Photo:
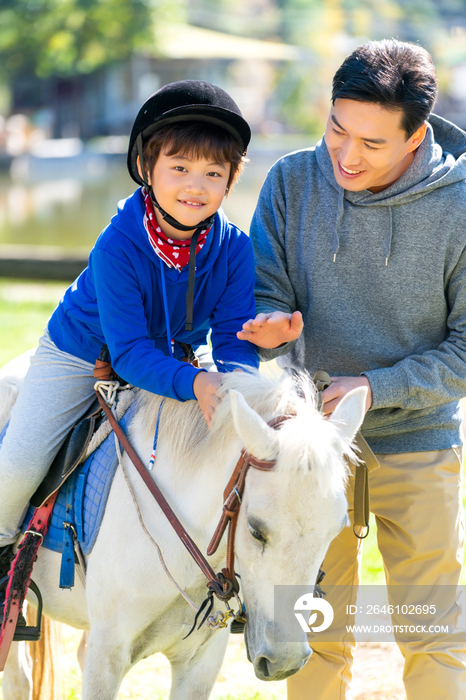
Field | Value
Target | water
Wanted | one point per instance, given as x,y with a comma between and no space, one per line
67,203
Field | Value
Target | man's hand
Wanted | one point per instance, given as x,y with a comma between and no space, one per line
205,386
272,330
339,387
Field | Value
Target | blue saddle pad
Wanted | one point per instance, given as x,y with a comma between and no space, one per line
92,483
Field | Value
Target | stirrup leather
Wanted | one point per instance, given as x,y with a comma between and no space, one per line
23,631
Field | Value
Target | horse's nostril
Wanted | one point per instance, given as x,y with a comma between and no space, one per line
262,667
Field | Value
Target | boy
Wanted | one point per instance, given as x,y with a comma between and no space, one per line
167,268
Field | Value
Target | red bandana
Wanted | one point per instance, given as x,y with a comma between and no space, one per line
174,253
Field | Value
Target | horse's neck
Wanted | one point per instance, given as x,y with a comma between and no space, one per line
194,490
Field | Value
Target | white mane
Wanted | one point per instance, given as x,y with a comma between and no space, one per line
309,441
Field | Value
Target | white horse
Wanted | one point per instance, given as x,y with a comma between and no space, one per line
287,519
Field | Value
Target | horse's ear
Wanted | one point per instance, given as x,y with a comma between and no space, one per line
349,414
258,437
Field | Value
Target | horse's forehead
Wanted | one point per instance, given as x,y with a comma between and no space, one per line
282,494
281,487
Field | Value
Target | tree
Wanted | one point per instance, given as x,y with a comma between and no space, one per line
65,37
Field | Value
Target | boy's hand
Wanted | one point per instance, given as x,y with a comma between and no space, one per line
205,386
339,387
272,330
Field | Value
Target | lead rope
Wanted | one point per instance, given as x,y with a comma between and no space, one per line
367,463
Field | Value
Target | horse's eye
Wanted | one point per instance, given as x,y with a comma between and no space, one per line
257,534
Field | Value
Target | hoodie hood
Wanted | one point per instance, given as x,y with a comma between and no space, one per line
439,161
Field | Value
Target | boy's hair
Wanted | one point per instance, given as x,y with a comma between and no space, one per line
393,74
196,139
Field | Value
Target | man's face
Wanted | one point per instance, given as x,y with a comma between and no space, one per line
367,145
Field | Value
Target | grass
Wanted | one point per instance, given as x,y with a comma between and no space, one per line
24,310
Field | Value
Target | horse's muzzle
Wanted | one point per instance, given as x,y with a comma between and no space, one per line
269,668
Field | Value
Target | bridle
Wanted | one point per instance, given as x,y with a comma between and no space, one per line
232,498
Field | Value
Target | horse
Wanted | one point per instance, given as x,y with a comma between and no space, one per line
288,517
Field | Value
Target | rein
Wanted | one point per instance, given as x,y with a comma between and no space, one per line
220,588
224,584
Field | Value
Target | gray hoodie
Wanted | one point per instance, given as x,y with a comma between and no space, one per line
380,280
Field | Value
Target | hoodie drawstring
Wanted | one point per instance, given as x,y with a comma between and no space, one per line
388,242
165,308
340,210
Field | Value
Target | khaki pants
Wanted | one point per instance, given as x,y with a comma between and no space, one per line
416,499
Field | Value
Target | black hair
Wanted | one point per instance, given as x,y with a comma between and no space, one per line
393,74
197,140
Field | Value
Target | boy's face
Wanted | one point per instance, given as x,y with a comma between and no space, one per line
367,144
189,190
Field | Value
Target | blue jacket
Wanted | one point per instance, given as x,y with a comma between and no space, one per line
118,300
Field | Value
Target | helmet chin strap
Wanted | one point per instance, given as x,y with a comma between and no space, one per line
206,223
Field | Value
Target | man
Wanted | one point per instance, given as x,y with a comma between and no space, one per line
362,239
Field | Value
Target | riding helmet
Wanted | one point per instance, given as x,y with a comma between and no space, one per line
186,100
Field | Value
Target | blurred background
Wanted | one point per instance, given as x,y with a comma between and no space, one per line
73,74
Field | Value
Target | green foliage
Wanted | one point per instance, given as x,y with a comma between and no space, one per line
302,100
65,37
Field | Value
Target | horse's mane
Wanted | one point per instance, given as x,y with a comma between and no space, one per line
309,438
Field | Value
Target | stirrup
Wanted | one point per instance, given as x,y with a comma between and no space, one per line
23,632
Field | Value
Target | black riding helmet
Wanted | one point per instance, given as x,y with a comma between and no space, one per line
185,100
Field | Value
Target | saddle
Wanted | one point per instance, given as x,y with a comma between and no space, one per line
81,478
69,455
74,448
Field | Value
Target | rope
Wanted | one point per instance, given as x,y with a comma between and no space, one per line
156,437
165,308
146,531
108,391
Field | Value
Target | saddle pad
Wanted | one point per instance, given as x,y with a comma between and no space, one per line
92,486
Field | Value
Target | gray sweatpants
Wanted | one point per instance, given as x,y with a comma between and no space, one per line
57,390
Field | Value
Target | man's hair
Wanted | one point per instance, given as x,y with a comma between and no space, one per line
393,74
195,139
